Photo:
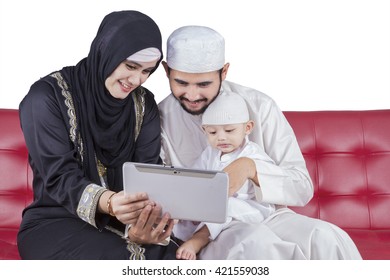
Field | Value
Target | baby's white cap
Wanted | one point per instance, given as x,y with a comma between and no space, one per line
227,108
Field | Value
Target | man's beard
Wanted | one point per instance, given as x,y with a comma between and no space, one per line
201,110
197,112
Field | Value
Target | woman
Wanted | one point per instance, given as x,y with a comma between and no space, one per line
80,125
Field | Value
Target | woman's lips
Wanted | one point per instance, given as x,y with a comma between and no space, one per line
125,87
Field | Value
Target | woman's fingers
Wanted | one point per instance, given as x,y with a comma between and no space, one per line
127,208
130,218
135,196
148,223
147,230
137,232
163,228
167,230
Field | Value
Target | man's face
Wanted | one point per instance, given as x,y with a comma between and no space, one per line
195,91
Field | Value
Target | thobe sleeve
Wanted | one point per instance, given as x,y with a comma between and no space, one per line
202,162
286,181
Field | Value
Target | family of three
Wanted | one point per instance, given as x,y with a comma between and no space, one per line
82,122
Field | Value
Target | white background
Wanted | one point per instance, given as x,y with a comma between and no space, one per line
113,270
306,54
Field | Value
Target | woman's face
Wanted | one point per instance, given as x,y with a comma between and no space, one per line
128,76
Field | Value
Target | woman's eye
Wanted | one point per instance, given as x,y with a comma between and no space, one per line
131,67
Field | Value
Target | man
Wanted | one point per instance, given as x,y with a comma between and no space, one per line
196,70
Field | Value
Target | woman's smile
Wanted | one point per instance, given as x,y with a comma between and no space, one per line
125,87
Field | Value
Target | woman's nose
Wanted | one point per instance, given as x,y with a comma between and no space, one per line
135,79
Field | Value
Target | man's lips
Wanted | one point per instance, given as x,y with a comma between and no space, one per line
193,105
194,102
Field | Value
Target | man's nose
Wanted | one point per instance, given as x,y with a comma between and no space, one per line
192,93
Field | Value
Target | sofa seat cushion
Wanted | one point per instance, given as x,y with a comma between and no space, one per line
8,247
372,244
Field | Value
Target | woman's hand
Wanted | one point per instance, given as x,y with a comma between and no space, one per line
147,224
239,171
151,227
125,208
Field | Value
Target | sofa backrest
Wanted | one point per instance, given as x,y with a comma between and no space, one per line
15,173
348,156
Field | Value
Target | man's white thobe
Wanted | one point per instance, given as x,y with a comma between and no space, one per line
285,182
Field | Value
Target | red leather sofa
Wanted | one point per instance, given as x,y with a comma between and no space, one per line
347,154
15,181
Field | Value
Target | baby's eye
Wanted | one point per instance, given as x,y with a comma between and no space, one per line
212,132
229,130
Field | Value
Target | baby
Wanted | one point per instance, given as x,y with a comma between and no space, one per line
227,125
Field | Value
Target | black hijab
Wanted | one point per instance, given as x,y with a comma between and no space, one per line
107,124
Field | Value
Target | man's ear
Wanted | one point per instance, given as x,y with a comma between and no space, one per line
224,71
204,127
166,68
249,127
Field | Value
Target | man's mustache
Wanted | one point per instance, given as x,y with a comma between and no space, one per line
194,101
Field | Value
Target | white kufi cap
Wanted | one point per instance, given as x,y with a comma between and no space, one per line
227,108
195,49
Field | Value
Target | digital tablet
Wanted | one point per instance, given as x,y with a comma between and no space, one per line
187,194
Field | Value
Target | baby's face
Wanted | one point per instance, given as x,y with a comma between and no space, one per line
226,138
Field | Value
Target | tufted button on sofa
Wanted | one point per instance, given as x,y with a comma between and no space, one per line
15,181
347,154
